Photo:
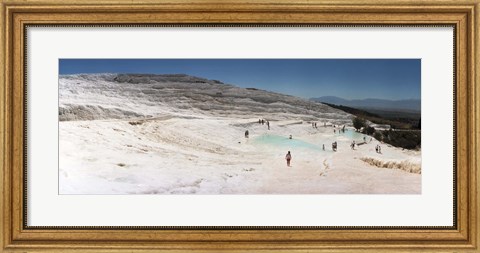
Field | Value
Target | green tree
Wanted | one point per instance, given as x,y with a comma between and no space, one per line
358,123
377,135
370,130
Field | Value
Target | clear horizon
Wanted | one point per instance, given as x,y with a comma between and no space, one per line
392,79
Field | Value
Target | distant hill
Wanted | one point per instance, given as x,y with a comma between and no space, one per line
397,120
406,105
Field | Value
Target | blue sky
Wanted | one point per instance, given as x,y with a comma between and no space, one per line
345,78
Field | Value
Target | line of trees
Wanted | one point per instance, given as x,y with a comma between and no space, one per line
404,139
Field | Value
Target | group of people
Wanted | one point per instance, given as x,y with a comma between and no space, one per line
260,121
288,156
314,125
342,130
263,121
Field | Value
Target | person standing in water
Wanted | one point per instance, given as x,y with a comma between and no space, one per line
268,124
246,134
288,157
334,146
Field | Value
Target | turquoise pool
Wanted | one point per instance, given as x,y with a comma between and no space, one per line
283,141
354,135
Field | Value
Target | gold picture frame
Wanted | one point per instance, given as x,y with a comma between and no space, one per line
18,14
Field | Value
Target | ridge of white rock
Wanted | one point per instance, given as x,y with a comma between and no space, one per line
124,96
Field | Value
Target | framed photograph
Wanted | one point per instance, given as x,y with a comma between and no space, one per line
242,126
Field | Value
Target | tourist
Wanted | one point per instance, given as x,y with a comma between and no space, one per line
288,157
246,134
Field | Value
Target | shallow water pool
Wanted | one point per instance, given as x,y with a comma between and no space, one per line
284,141
354,135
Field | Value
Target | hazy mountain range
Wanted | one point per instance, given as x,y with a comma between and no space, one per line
412,105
